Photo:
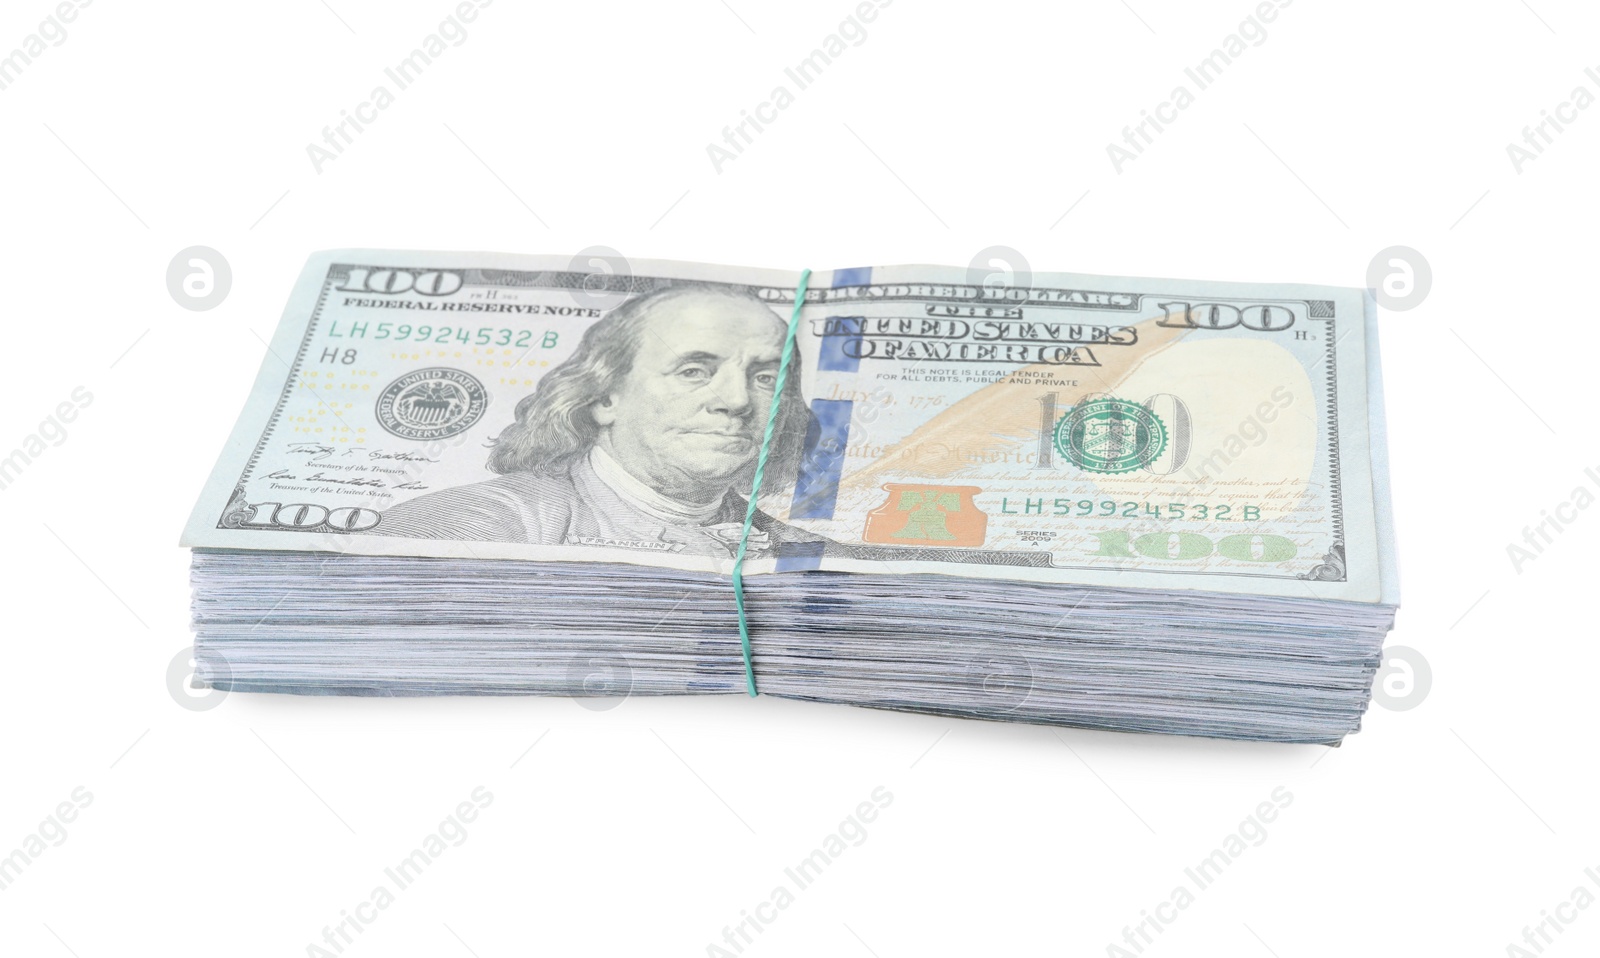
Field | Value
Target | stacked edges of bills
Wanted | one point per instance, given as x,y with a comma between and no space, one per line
1134,504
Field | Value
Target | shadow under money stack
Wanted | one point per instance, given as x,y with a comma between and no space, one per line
1144,505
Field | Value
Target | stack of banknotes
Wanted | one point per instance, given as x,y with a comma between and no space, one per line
1145,505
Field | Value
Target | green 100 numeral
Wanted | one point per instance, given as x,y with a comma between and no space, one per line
1244,546
1262,318
433,282
304,515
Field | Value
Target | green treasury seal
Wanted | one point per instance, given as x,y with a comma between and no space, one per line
1110,435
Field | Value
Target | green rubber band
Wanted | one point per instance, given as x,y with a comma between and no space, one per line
755,485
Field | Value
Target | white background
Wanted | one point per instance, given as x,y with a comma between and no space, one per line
648,828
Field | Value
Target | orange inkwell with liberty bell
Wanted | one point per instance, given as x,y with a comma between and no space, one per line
919,515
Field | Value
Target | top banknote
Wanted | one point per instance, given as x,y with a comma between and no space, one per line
1085,430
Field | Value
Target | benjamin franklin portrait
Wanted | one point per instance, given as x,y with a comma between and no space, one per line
646,438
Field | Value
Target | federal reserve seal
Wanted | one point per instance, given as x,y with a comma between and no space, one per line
434,403
1110,435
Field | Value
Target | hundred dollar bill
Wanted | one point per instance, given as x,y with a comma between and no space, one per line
1092,430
